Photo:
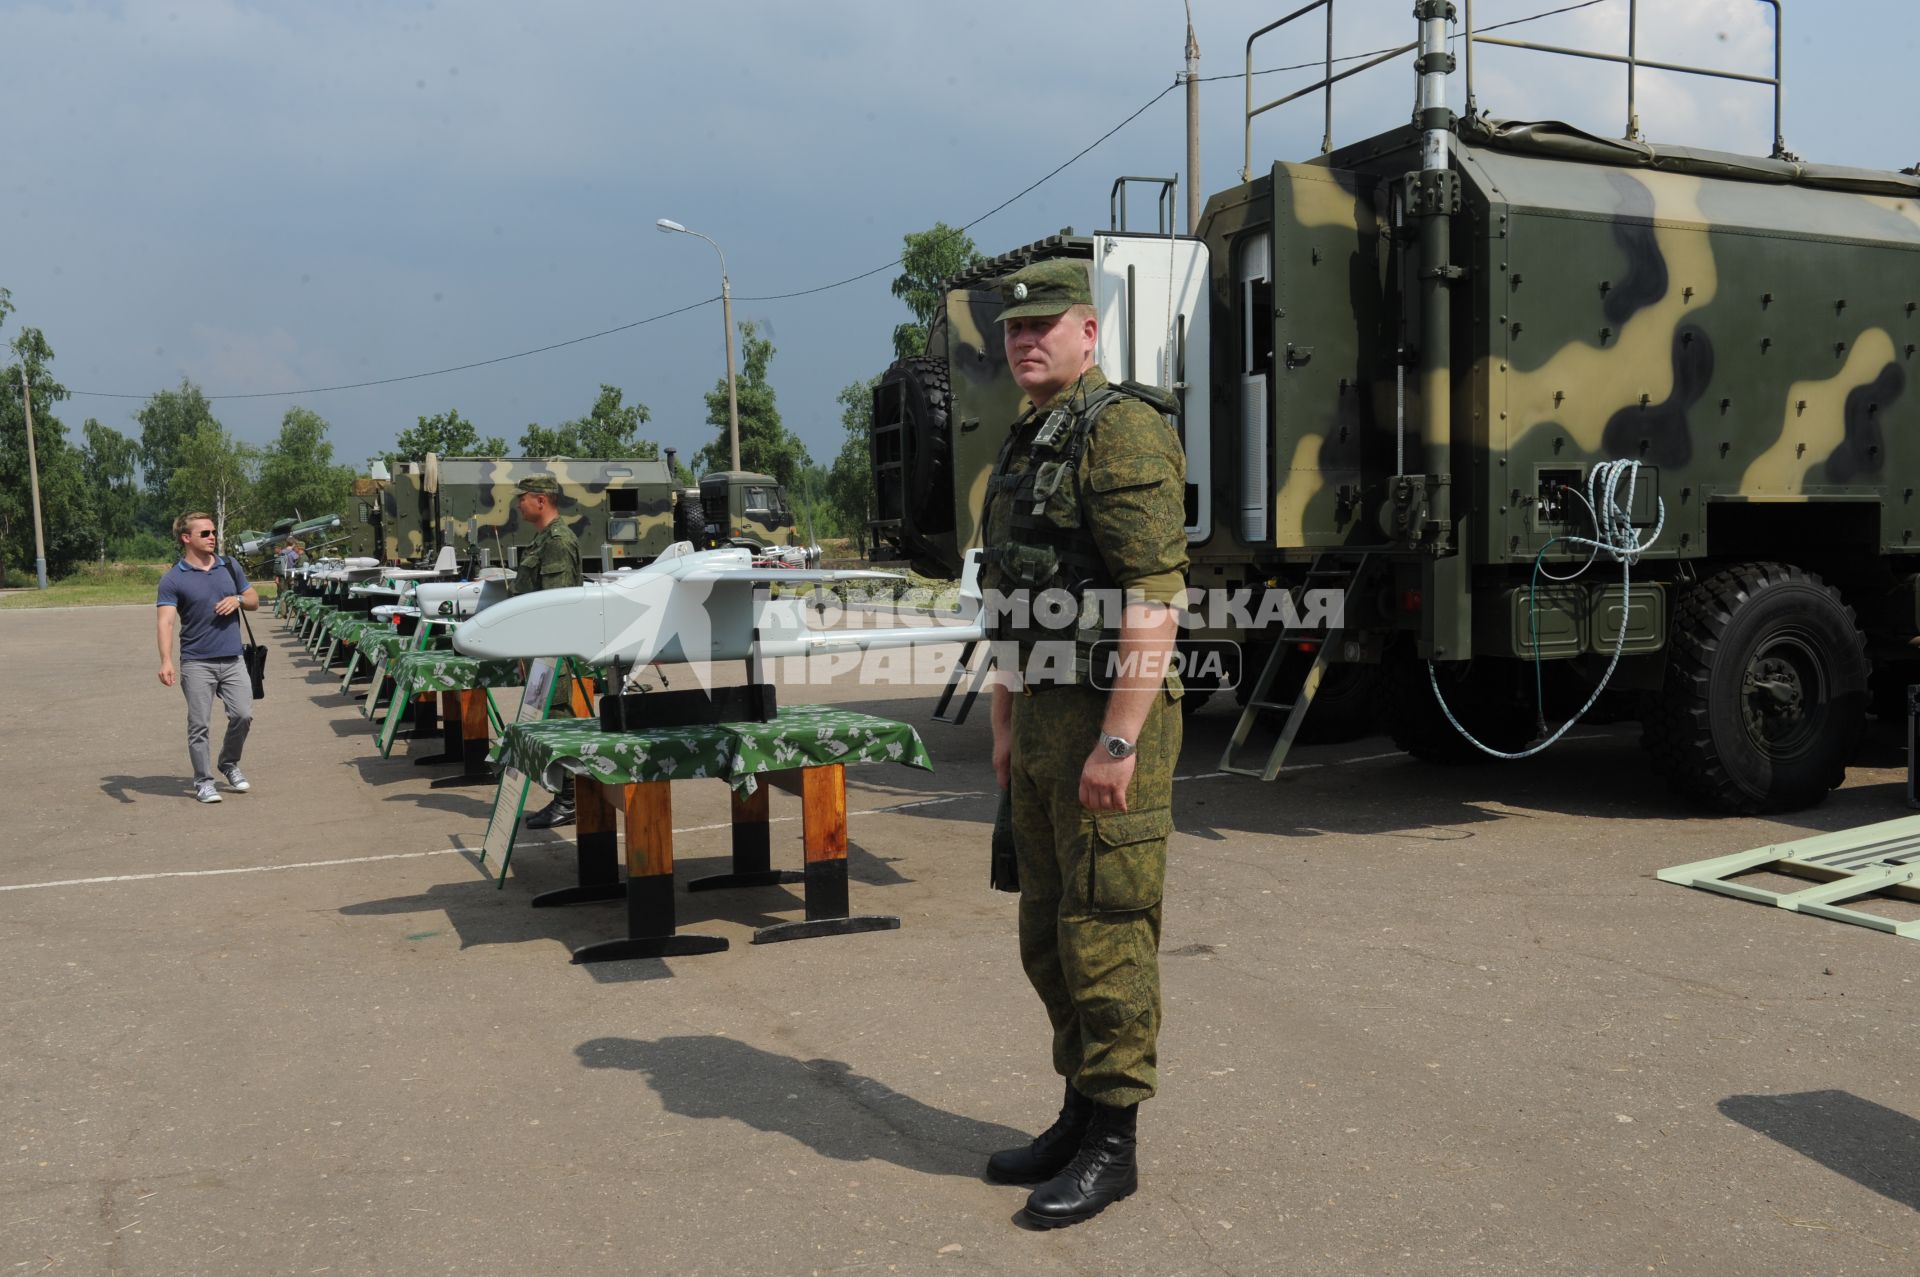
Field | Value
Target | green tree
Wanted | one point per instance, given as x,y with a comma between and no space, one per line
849,485
217,474
450,435
66,508
297,473
111,462
929,258
166,422
609,431
766,446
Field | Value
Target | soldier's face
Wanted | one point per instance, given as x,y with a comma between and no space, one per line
1046,353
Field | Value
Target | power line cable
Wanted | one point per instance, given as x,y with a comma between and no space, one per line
820,288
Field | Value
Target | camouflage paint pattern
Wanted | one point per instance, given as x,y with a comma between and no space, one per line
741,507
1090,890
619,511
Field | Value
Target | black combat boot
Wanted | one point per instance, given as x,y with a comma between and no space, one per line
1051,1150
1100,1174
556,813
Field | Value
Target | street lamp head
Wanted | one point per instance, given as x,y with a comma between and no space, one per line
668,224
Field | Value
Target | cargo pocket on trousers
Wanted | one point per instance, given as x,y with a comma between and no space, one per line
1127,861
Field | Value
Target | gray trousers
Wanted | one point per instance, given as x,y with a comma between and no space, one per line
200,680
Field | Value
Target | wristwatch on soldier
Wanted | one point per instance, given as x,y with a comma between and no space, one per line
1116,746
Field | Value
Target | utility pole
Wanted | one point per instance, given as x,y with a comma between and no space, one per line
33,478
1193,127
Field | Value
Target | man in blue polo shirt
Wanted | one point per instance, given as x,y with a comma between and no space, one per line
201,596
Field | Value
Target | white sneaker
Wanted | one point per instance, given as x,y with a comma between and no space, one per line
235,781
206,793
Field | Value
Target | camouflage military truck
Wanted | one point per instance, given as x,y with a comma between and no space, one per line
739,507
1554,412
623,512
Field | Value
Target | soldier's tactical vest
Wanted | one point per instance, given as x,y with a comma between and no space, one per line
1049,557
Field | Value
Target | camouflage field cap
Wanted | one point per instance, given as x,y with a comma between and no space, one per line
544,485
1044,288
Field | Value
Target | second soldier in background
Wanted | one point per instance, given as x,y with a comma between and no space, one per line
550,561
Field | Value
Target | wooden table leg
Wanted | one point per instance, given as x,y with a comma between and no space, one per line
476,734
752,847
596,845
650,921
823,819
450,732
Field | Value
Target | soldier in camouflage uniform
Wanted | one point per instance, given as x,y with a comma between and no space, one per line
1088,492
551,561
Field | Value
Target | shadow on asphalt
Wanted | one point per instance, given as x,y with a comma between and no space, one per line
1874,1146
482,913
823,1104
119,787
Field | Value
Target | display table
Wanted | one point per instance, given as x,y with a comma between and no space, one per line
805,746
466,709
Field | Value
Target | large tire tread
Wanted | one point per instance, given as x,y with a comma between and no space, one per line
1677,730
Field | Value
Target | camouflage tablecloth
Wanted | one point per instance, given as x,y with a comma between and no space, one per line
446,672
800,736
385,647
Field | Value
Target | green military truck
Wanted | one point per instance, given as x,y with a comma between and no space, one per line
623,512
1566,423
740,507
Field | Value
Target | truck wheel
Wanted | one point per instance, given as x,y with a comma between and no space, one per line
689,521
926,402
1482,694
1766,691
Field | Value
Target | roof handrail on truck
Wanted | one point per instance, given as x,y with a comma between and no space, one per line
1633,62
1326,83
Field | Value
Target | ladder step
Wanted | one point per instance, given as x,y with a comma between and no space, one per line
1282,707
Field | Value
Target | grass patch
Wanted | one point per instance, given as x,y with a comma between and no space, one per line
103,585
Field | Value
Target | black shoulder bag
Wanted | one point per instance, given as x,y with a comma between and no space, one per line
254,654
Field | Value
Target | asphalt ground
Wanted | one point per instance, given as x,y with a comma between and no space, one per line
1418,1020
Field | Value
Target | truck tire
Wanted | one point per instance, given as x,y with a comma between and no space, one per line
1766,691
927,472
689,520
1482,695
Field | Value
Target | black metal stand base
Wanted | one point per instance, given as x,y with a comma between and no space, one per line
437,760
678,946
762,878
808,929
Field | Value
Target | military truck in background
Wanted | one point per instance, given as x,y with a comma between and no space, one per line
623,512
1553,413
740,507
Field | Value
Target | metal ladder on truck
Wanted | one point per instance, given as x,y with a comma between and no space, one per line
1333,569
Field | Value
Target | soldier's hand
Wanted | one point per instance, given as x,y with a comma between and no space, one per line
1104,780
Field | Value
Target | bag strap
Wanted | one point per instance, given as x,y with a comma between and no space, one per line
235,574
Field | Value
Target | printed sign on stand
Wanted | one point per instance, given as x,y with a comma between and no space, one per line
510,799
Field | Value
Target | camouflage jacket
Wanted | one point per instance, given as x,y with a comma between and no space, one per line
1126,493
551,561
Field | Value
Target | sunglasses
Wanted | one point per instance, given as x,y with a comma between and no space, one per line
207,533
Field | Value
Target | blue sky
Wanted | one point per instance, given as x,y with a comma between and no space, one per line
274,196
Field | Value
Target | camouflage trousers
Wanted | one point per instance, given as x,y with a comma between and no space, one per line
1090,887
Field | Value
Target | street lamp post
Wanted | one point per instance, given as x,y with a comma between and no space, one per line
726,318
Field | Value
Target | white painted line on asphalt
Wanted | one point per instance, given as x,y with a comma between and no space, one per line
416,855
250,869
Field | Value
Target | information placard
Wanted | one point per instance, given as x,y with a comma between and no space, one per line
510,799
